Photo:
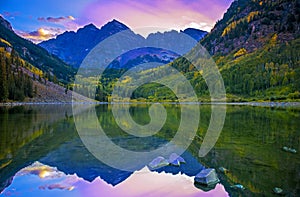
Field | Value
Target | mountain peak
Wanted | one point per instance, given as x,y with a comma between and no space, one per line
114,25
114,21
90,26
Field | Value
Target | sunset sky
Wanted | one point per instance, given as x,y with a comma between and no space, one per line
40,20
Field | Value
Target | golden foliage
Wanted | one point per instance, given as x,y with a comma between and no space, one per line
233,24
230,27
273,40
240,52
251,16
5,42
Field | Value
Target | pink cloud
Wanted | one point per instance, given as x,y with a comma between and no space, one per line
41,34
174,14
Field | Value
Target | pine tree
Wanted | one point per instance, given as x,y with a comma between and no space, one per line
3,80
28,90
35,90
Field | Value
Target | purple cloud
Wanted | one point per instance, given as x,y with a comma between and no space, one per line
55,20
60,19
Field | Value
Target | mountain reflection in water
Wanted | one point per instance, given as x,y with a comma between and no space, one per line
42,180
250,147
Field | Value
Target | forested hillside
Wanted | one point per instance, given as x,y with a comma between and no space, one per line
256,46
250,24
21,81
14,83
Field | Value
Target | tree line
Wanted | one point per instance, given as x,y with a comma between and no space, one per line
14,83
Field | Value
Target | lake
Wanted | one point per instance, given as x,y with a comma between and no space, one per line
44,153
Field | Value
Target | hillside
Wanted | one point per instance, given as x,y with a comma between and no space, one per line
29,73
21,81
34,54
256,45
250,24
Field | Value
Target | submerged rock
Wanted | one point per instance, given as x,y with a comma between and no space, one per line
158,162
277,190
238,186
291,150
205,188
174,162
207,177
175,159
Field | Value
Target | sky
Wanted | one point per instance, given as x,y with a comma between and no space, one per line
40,20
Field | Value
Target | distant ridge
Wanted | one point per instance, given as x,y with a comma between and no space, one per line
72,47
197,34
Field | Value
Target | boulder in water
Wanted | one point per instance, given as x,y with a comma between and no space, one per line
158,162
175,159
207,177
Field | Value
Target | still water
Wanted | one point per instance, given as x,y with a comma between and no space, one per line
42,154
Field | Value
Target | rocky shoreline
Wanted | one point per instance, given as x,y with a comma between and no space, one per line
86,102
267,104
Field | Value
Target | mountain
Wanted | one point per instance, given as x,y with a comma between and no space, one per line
5,23
256,46
34,54
72,47
149,54
142,55
250,24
